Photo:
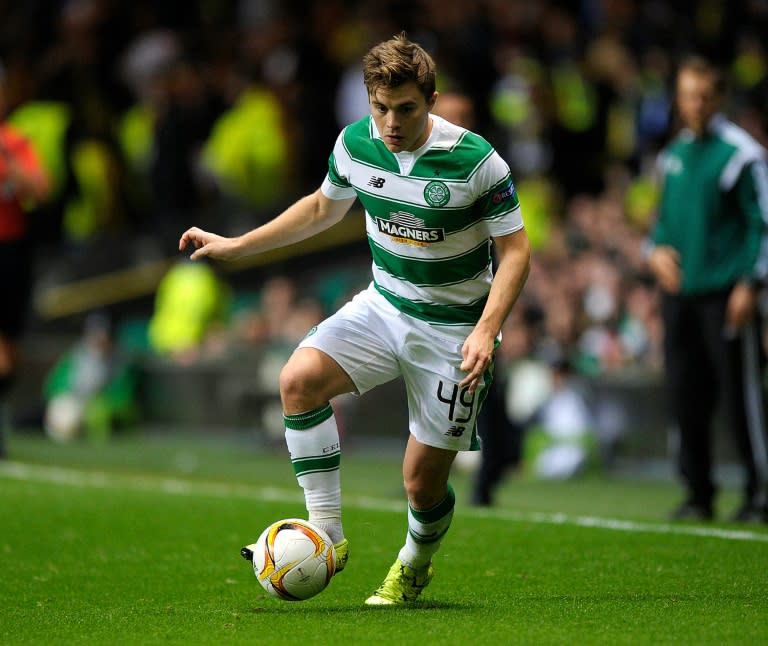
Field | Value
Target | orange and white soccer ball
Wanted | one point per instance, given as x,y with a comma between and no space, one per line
292,559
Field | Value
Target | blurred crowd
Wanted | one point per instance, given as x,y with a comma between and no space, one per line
154,116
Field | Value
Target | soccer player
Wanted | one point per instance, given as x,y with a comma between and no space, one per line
709,253
435,195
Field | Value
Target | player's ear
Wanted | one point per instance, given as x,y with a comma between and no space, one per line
432,100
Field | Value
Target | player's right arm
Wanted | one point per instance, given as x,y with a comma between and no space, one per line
303,219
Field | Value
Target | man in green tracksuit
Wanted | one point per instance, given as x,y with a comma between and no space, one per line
709,254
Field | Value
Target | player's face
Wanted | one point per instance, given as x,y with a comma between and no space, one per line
697,99
402,116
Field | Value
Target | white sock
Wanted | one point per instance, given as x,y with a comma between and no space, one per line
313,443
330,524
426,529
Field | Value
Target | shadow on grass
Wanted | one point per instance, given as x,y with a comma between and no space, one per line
292,608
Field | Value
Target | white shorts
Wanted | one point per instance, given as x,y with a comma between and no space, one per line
375,343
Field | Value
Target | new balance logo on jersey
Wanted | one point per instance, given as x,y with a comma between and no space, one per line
455,431
376,182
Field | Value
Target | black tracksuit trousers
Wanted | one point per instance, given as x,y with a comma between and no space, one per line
709,370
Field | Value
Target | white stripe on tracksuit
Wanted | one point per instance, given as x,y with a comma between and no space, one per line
753,401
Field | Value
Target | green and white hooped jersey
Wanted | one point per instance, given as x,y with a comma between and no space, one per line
430,215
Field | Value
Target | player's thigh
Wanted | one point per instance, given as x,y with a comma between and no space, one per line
442,413
361,342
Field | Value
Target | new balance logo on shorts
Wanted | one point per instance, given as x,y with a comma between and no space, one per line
455,431
376,182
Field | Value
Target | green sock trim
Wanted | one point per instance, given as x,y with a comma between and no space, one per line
440,510
303,421
426,540
316,464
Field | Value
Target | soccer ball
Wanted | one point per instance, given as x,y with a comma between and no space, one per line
292,559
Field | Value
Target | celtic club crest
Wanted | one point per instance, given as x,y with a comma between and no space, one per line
436,194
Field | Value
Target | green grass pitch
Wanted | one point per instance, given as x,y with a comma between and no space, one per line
137,542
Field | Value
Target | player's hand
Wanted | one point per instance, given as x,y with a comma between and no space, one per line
478,354
664,262
208,245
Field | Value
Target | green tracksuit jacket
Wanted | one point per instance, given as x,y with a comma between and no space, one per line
714,207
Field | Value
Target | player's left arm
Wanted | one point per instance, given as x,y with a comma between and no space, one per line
514,258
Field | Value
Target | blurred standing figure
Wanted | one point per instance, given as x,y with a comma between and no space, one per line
23,182
709,254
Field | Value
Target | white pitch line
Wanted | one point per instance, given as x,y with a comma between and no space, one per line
177,486
628,525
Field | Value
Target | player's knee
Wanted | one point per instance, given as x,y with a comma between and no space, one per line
292,381
311,379
423,494
299,389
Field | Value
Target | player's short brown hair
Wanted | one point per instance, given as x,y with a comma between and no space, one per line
396,61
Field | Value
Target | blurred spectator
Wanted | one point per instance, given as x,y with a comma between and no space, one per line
560,441
78,90
279,318
599,348
163,133
267,330
23,183
191,307
144,67
86,203
579,105
249,152
520,113
457,107
92,388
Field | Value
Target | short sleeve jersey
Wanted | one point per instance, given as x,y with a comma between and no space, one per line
430,216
